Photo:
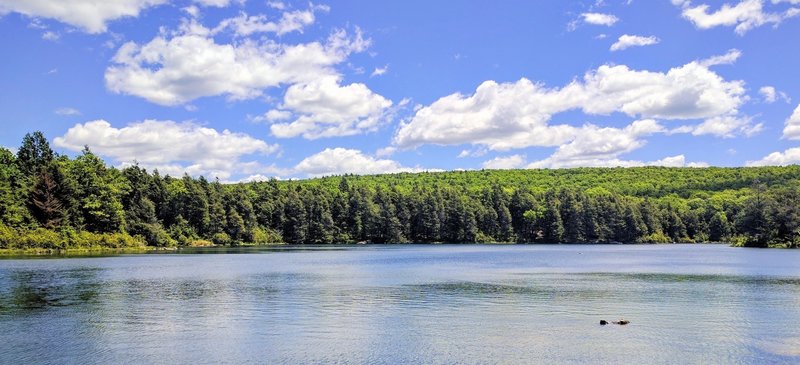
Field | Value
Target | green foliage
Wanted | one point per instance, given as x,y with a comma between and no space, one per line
67,238
221,238
34,153
656,237
54,202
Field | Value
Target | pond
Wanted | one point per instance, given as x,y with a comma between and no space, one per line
392,304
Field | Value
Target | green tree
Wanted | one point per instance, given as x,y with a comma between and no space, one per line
34,153
13,196
98,192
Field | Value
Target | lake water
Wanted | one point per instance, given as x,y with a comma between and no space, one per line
431,304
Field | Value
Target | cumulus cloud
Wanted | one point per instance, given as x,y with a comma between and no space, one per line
789,157
771,95
505,163
671,161
327,109
175,69
792,128
600,146
726,126
516,115
91,16
171,147
273,115
626,41
290,21
338,161
599,19
744,16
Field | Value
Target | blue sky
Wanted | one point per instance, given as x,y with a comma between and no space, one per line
245,90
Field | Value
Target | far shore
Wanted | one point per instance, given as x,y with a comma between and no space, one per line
102,251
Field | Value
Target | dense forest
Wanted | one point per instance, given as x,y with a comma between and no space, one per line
55,202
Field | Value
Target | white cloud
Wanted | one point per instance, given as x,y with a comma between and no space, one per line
728,58
474,152
338,161
51,36
191,65
90,16
255,178
726,126
788,157
216,3
173,148
626,41
192,10
327,109
744,16
379,71
600,146
517,115
599,19
273,116
291,21
671,161
792,128
67,111
276,5
771,95
385,151
505,163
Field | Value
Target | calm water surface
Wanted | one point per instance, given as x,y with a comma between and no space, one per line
688,304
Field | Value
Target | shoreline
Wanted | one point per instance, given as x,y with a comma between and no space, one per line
107,251
104,251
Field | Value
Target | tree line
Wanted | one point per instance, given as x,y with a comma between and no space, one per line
53,201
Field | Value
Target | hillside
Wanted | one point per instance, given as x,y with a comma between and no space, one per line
50,201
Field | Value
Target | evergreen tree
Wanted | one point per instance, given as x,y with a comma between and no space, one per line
719,227
47,202
13,210
295,225
34,153
98,192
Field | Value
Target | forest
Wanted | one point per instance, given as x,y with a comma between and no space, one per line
52,201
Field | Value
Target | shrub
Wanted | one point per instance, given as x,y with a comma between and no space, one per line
41,238
263,236
8,237
154,235
657,237
221,239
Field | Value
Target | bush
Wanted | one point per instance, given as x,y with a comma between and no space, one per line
86,239
221,239
8,237
42,238
201,243
657,237
263,236
154,235
119,240
484,238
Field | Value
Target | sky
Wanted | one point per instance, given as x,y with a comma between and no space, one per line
244,90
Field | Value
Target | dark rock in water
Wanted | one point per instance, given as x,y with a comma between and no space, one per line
603,322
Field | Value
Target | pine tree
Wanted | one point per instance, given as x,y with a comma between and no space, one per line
34,154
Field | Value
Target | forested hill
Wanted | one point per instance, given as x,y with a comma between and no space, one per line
52,201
